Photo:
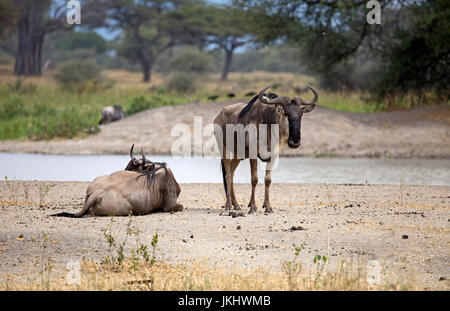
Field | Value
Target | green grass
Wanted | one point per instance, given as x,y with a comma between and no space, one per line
40,109
352,102
50,112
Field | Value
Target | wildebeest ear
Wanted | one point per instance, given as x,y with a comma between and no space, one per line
271,95
307,108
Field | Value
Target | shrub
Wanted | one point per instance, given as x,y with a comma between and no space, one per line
82,76
138,104
182,82
191,60
11,107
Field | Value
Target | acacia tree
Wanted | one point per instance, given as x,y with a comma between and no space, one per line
149,27
225,27
410,48
35,20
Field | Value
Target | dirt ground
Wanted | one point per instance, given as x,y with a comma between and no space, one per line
421,132
405,228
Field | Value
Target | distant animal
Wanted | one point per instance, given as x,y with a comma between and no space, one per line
111,114
231,95
213,97
262,109
251,93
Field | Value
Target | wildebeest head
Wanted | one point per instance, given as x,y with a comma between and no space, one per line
293,110
139,165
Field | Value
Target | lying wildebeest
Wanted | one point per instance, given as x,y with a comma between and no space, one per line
263,109
111,114
138,192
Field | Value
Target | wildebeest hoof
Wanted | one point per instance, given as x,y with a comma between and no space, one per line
252,210
237,207
268,210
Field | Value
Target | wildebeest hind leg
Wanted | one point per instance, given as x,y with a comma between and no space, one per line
267,182
254,174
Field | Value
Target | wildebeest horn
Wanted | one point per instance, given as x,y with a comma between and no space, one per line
301,101
131,151
281,100
143,156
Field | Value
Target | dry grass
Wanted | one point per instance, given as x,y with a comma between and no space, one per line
200,277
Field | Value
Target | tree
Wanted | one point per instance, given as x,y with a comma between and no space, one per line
417,60
410,46
35,20
149,28
81,40
225,27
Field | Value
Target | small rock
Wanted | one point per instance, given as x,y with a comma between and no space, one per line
297,228
442,278
238,227
192,236
404,237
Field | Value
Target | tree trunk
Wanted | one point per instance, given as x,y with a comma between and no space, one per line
31,38
227,64
146,71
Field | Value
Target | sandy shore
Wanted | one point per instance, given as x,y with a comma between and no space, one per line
422,132
405,228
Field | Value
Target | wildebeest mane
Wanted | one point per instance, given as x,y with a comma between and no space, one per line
248,106
252,101
150,176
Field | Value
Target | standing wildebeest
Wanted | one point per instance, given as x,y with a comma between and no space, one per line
111,113
264,109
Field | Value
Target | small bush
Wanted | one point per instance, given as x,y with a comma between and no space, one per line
191,60
82,76
158,99
11,107
182,82
138,104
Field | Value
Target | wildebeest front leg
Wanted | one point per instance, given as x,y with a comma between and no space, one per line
267,182
254,173
171,205
227,168
234,164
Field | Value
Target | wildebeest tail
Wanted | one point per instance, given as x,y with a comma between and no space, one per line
224,177
90,202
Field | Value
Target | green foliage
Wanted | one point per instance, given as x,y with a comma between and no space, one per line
158,99
116,250
81,40
418,61
78,72
51,112
11,107
182,82
191,60
81,76
408,55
